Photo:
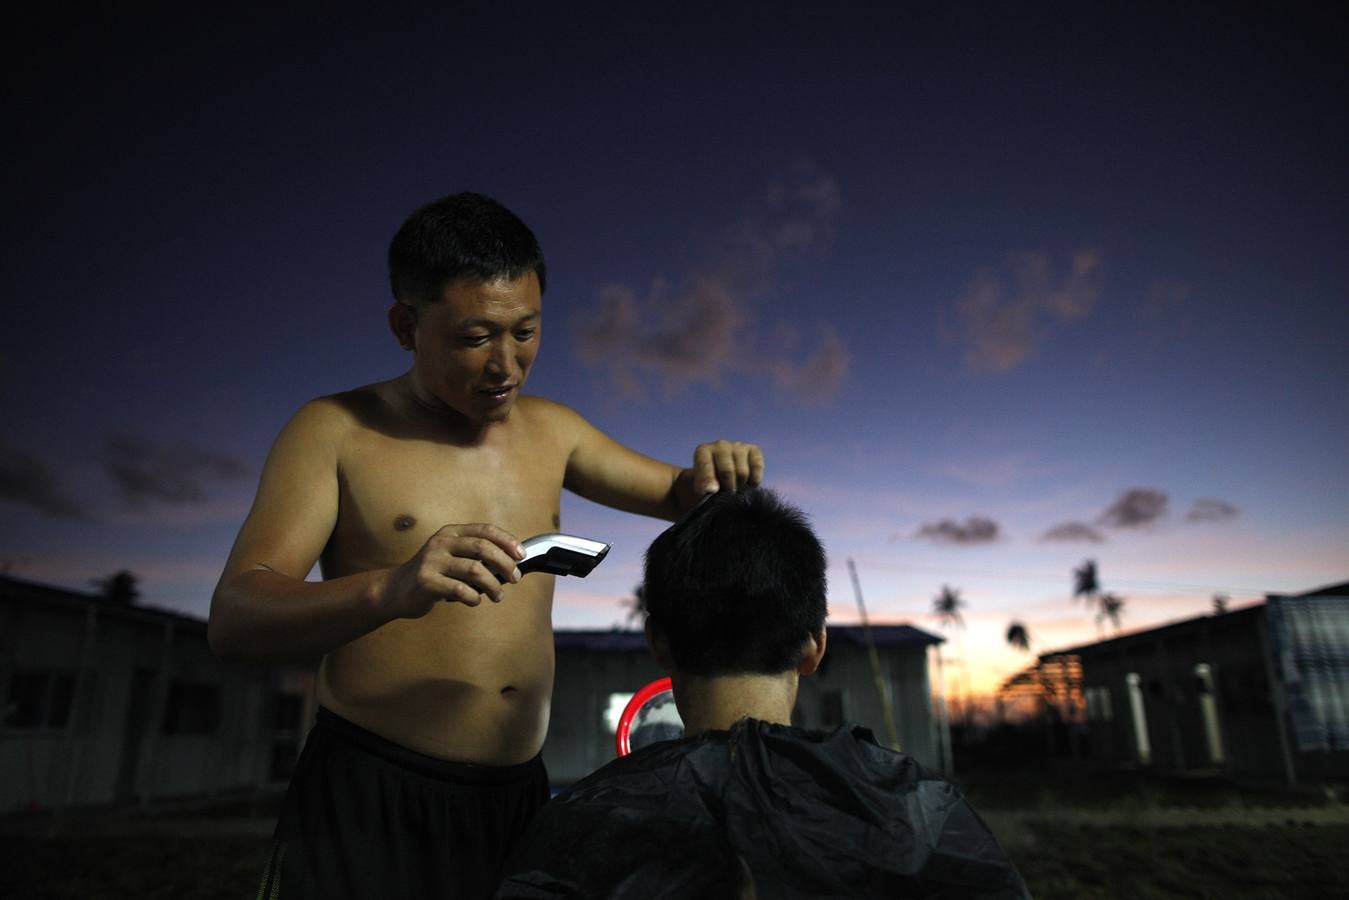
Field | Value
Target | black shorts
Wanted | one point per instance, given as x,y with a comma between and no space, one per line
366,818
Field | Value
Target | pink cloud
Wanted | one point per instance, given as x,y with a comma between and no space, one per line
1006,312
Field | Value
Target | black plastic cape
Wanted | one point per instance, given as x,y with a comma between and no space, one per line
761,811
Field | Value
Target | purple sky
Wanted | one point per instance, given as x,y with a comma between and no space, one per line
996,295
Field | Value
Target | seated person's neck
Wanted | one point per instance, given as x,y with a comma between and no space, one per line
717,703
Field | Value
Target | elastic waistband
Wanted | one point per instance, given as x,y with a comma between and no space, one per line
429,766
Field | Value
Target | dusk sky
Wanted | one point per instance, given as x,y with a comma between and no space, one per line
996,293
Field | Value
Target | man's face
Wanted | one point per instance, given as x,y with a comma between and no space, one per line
475,345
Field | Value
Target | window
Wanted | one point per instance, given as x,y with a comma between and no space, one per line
39,698
192,708
1098,704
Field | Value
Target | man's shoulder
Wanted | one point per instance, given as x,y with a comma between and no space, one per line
549,420
366,406
334,414
543,409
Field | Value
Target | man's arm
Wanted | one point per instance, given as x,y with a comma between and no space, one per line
603,470
264,609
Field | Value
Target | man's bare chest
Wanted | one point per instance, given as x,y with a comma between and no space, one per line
394,494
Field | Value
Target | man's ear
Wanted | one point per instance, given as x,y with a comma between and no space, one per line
403,324
660,647
813,652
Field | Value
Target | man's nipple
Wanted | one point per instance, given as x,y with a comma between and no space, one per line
403,522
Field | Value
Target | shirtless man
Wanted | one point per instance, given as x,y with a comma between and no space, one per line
413,494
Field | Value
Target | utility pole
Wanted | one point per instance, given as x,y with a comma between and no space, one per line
887,714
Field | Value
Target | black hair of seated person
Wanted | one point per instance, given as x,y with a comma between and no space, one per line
464,234
737,587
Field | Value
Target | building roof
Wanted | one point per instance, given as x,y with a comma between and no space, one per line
1254,612
16,591
635,641
883,635
1330,590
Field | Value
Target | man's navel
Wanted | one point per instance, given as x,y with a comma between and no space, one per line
403,522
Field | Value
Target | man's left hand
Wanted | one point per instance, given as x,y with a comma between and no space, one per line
724,466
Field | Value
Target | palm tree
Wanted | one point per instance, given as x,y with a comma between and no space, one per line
636,606
1112,606
947,605
1018,636
1085,582
119,588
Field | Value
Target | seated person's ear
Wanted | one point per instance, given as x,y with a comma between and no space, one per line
660,647
812,652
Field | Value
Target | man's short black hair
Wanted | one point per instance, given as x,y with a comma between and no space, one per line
738,586
462,234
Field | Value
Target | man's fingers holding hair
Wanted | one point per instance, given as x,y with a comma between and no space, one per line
727,465
726,469
756,464
704,470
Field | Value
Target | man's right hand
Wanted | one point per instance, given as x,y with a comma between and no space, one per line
459,563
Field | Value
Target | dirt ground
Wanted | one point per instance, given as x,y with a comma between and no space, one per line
1072,835
1057,862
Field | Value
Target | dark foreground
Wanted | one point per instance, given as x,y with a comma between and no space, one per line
1057,862
1078,834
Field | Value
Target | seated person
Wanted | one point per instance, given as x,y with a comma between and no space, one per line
745,805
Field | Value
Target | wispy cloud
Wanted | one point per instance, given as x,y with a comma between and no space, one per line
993,470
148,472
1006,312
817,379
1135,508
1166,296
706,325
1073,531
1208,509
685,337
28,480
974,530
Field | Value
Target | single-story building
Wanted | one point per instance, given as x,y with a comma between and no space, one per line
598,671
110,703
1259,692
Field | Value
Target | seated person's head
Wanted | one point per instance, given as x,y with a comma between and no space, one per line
736,589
